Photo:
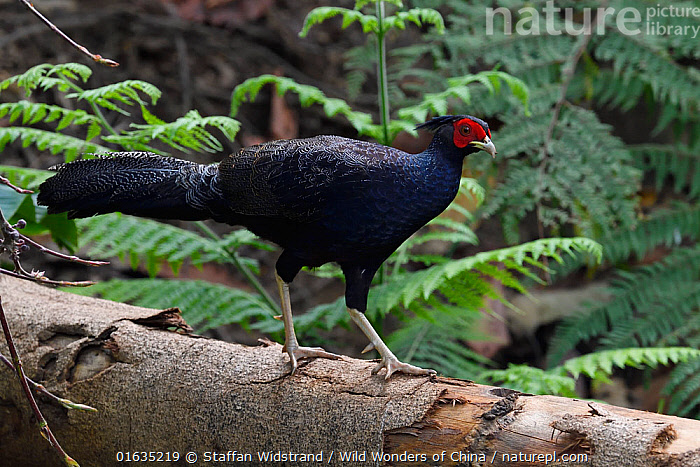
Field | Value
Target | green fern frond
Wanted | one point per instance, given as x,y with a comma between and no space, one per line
666,227
683,389
642,305
571,187
678,161
665,315
471,187
529,253
124,92
370,24
530,380
359,4
457,280
636,56
186,133
34,112
318,15
236,239
308,95
418,16
457,233
144,241
599,365
458,90
47,76
56,143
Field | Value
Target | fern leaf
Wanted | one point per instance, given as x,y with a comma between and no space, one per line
56,143
308,95
418,16
470,186
631,54
362,3
597,365
124,92
186,133
530,380
678,161
683,388
34,112
145,241
604,361
535,250
47,76
318,15
459,90
644,302
461,283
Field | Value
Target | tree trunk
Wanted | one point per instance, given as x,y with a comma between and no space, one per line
166,394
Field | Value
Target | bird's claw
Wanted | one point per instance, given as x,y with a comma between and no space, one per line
297,353
392,365
369,348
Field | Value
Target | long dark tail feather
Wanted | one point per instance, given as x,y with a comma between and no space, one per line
142,184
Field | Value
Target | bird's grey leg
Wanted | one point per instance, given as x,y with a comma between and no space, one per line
389,360
291,346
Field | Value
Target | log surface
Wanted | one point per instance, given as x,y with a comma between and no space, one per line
158,391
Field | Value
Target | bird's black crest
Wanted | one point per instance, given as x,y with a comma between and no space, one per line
435,123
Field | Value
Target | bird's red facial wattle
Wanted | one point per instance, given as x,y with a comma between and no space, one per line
467,132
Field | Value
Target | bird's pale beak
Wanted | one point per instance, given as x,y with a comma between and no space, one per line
485,145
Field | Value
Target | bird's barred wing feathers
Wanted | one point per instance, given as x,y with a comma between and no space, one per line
298,179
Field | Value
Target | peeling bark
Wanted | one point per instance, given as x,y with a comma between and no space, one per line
166,392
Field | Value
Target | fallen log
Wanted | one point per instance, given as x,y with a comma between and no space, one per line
167,396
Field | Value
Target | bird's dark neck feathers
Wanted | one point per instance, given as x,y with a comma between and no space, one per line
443,153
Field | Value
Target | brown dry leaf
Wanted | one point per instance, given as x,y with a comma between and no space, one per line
283,120
222,12
241,12
190,10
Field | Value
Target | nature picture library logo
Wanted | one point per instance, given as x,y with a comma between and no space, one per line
661,20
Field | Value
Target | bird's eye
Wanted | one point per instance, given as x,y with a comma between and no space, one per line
464,130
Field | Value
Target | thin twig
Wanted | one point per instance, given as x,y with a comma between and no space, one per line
23,191
41,279
15,243
41,421
71,258
96,57
42,390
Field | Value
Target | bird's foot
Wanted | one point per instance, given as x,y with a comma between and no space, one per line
296,353
392,365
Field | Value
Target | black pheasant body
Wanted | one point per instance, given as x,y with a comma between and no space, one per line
329,198
321,199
